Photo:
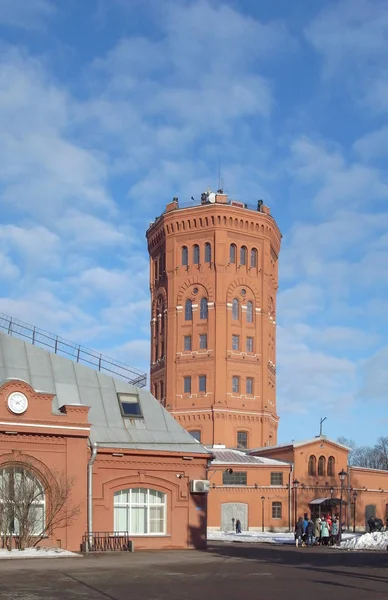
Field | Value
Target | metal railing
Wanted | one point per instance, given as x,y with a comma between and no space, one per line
107,541
61,346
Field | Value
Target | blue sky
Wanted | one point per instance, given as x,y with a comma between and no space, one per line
108,108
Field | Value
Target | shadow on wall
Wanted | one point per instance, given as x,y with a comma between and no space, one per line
197,534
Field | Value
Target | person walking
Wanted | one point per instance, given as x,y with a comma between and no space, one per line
317,530
334,532
325,533
310,533
299,532
238,526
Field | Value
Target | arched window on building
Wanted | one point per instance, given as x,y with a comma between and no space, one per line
331,466
188,310
249,312
22,502
208,253
243,255
232,253
185,256
196,255
312,465
254,258
203,309
235,310
322,466
140,511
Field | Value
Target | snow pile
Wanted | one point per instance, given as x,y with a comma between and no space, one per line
251,537
36,553
369,541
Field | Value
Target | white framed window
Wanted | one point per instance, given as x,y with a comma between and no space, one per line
140,511
22,499
232,253
249,386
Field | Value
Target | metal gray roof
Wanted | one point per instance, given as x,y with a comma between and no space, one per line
228,456
74,383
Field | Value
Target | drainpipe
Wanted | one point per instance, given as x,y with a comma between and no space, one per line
94,448
290,479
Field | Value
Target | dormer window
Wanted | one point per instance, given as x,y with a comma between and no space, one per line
130,405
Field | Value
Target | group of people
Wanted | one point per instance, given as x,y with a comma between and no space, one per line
376,524
323,531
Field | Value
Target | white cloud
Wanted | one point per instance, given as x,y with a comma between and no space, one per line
26,15
373,145
351,35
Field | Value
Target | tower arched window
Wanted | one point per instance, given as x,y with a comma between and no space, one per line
208,253
196,255
254,258
249,312
232,253
185,256
203,309
312,465
243,255
331,466
235,310
188,310
321,466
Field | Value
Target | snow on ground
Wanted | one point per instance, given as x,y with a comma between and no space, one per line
257,537
368,541
36,553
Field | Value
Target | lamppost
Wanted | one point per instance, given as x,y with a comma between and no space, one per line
331,493
342,475
354,510
262,513
296,484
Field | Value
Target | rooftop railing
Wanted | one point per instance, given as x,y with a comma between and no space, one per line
61,346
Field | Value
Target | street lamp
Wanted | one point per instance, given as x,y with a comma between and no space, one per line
262,513
342,475
331,493
354,510
296,484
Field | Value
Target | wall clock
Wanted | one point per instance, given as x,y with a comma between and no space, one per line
17,403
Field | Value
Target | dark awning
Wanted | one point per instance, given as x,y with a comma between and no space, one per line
327,501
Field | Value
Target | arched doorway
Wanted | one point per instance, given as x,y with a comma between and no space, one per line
230,511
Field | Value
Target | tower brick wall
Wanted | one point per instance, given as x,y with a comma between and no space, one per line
213,282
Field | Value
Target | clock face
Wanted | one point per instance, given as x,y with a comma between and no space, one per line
17,403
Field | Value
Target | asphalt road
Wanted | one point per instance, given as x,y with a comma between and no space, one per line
225,572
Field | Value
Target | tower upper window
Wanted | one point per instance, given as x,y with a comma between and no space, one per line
185,256
235,310
196,254
254,258
208,253
249,312
331,466
203,309
232,253
243,255
188,310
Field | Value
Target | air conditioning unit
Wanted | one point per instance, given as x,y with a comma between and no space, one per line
199,486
